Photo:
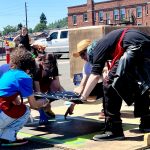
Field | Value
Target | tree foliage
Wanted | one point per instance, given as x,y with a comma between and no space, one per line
59,24
62,23
43,19
9,29
40,27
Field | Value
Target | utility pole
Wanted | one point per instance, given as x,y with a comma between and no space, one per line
26,15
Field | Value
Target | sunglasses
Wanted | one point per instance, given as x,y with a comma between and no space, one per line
82,54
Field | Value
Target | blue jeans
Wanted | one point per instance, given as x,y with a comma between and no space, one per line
10,126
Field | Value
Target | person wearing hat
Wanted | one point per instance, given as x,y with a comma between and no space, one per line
97,92
128,78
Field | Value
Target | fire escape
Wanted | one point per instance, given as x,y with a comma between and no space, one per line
129,19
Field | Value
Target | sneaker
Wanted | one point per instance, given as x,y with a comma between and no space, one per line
7,143
108,136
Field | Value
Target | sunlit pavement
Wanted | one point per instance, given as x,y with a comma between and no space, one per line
77,131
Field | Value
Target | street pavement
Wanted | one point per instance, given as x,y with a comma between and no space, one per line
77,131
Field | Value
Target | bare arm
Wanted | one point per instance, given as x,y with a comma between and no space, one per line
55,85
29,39
91,83
80,88
37,104
37,86
17,38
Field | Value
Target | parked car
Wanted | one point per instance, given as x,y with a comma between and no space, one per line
41,41
57,42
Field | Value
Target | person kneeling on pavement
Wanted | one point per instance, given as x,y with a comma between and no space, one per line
17,84
46,79
128,78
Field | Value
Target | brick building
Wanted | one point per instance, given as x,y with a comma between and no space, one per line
112,12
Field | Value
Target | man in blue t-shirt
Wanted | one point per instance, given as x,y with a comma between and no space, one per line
15,84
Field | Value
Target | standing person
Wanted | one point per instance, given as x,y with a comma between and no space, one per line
128,78
23,39
15,84
86,71
46,79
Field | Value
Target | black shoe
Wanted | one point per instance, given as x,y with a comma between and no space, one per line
7,143
144,129
108,136
145,124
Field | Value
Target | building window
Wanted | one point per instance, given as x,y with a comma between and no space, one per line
74,19
95,16
107,18
122,14
139,24
85,18
116,14
139,12
100,14
146,9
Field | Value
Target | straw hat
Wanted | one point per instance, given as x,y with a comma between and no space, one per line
81,46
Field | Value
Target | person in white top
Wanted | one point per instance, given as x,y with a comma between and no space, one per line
86,71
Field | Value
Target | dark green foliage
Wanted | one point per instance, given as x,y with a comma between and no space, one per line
59,24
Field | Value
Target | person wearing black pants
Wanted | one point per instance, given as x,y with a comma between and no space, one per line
128,78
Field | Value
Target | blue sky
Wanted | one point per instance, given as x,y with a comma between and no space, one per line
12,12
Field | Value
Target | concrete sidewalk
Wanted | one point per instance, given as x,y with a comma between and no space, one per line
77,131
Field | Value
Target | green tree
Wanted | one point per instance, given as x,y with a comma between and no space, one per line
43,19
59,24
40,27
8,29
30,30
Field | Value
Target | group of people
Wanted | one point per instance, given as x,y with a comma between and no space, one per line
24,75
126,78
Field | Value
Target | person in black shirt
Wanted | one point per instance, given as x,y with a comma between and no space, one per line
23,39
128,78
46,79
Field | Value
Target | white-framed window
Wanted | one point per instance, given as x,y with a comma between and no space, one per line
139,12
74,19
85,17
100,16
107,18
122,13
116,14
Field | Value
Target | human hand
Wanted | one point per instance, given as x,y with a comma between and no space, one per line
83,99
45,102
78,90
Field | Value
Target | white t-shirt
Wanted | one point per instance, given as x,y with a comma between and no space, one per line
87,69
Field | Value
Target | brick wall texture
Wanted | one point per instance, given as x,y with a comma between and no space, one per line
107,7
